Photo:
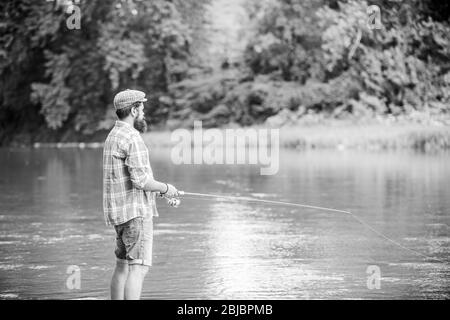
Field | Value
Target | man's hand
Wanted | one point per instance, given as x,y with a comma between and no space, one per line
171,192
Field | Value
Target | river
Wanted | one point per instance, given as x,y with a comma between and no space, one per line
51,220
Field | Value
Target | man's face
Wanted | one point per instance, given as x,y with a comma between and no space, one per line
139,120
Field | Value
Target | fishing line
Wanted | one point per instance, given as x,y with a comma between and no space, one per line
362,222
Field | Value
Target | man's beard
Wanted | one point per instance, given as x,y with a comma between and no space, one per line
140,125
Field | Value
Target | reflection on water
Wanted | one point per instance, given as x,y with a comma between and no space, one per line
51,218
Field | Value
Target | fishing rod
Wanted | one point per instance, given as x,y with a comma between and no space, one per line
175,202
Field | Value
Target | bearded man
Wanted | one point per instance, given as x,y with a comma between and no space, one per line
129,191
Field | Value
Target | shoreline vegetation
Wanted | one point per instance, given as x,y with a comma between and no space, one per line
331,134
341,135
230,64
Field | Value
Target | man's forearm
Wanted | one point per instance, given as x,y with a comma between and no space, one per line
155,186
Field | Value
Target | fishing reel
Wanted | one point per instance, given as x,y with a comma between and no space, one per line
173,201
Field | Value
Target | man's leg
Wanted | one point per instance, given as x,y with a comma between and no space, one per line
119,280
136,276
139,255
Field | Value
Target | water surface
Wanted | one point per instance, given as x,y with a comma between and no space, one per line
51,218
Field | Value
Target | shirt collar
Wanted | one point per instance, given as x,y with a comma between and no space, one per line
121,123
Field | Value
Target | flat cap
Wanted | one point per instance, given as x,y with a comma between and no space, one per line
127,97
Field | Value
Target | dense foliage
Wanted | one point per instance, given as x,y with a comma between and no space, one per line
301,59
62,77
402,67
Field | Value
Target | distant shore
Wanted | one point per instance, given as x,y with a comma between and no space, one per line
341,135
331,135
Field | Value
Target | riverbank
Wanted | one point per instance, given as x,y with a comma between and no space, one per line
326,135
341,135
368,137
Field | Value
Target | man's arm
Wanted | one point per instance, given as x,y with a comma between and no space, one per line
140,172
164,188
155,186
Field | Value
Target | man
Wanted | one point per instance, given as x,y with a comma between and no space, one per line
129,190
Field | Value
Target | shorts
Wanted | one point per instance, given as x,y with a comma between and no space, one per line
134,241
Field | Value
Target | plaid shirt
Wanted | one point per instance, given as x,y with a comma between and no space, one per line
126,170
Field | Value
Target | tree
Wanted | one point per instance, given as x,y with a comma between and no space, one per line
64,78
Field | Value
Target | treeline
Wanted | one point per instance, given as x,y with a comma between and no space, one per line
57,83
303,61
401,67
